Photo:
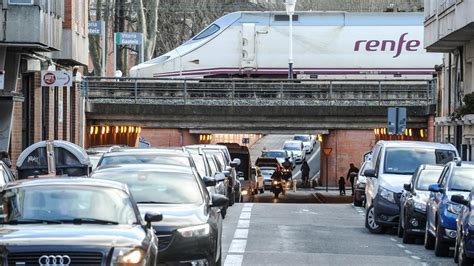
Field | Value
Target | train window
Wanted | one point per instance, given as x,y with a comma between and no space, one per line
158,60
207,32
286,18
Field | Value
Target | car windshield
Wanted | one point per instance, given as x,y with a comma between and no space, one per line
200,164
407,160
273,154
158,187
220,158
292,147
427,178
302,138
462,179
67,204
207,32
166,159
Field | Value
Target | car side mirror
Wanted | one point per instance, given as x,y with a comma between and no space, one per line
226,173
219,200
407,187
209,181
370,173
219,177
435,188
236,162
152,217
459,199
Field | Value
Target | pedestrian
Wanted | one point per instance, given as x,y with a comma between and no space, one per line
305,173
351,175
342,186
5,158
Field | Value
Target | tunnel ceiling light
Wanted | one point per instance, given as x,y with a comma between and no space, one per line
116,129
96,130
107,129
102,131
91,131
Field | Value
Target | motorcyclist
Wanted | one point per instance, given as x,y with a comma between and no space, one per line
288,168
278,176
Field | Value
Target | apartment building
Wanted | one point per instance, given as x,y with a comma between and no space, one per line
449,27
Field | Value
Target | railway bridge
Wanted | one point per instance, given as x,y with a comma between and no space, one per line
351,114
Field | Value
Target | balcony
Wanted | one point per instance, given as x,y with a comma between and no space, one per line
33,26
448,24
74,48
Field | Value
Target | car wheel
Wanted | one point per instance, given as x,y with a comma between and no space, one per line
371,224
407,238
400,228
462,259
441,248
429,238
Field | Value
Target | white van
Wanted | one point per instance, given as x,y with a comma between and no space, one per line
393,164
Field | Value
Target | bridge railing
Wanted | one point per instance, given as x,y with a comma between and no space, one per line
251,92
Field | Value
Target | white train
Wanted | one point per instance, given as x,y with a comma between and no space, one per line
326,45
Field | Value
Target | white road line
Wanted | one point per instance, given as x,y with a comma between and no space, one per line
238,246
243,224
393,239
241,233
233,260
408,252
415,257
400,246
245,215
246,209
248,205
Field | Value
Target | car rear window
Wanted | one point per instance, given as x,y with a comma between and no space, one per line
406,160
292,147
273,154
427,178
146,159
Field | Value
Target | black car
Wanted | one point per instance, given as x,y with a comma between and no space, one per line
413,202
74,221
191,229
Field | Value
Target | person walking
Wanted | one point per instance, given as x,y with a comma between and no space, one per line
351,175
305,173
5,158
342,186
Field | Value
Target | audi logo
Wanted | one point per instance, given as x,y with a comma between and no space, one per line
54,260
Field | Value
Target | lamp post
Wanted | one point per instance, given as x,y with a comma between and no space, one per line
290,10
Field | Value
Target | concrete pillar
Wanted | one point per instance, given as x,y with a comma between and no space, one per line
431,128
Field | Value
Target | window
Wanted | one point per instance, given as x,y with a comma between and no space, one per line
462,179
407,160
286,18
158,60
427,178
20,2
207,32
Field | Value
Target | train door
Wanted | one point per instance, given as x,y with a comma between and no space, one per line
248,40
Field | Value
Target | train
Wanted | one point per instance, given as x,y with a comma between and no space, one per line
325,45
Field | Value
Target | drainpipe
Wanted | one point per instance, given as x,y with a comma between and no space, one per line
449,96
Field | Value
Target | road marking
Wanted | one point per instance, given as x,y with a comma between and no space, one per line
245,215
400,246
238,246
393,239
248,205
415,257
408,252
233,260
241,233
243,224
246,209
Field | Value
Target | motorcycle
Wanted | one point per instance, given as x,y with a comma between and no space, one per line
278,186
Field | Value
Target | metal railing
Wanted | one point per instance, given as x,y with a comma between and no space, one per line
251,92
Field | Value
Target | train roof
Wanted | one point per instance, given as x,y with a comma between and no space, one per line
327,18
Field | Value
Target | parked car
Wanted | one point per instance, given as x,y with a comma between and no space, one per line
280,155
297,148
456,179
392,165
307,143
257,180
191,229
74,221
267,173
464,247
360,182
413,202
96,152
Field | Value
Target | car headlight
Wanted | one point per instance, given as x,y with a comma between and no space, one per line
454,208
419,205
129,257
387,194
195,231
275,182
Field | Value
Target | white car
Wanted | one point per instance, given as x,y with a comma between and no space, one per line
307,143
297,147
280,155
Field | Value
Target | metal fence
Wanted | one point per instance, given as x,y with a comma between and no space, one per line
251,92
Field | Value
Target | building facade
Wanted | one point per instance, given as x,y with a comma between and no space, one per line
40,35
449,27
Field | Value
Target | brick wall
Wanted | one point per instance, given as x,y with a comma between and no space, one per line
348,146
168,137
37,108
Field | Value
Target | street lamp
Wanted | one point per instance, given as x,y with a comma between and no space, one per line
290,10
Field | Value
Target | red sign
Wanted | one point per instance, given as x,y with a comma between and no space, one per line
327,151
49,78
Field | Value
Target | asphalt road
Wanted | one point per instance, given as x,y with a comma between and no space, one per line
275,142
312,234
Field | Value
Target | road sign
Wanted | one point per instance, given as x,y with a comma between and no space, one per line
245,140
95,27
327,151
397,120
56,78
129,38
